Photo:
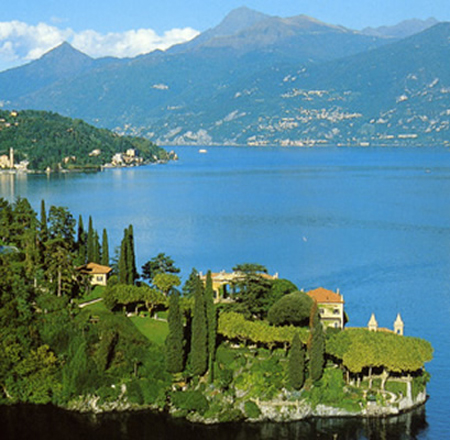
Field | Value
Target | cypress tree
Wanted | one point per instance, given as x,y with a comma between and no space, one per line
211,323
122,269
174,342
127,261
90,245
43,233
199,337
96,250
296,363
81,242
105,249
131,258
316,345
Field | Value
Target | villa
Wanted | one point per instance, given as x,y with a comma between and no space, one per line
98,274
223,283
331,307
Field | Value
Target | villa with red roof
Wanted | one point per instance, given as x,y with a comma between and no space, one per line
330,305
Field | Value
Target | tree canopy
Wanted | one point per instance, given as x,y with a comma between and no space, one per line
294,308
361,348
49,140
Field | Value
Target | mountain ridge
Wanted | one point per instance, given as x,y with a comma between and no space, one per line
300,82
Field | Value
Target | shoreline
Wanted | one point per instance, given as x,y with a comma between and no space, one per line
292,411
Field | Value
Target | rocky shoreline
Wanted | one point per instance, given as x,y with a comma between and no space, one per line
270,411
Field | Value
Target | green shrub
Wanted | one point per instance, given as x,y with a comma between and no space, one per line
224,377
231,415
252,410
190,401
135,394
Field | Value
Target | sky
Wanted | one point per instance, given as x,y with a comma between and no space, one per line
127,28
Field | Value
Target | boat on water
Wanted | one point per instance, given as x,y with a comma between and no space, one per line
202,151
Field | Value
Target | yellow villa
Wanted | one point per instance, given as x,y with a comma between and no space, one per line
330,305
98,274
223,283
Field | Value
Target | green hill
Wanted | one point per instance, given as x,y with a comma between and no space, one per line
48,140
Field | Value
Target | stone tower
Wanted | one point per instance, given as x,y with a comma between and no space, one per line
11,158
373,324
399,325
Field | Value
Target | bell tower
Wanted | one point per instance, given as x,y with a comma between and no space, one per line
399,325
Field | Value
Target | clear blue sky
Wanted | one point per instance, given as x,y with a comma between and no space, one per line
107,27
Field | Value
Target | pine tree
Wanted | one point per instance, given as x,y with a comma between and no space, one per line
105,249
174,342
296,363
90,245
316,345
189,285
211,323
199,337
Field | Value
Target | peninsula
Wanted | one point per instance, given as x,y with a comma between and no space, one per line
84,332
39,141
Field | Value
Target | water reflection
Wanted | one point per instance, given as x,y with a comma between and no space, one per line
50,423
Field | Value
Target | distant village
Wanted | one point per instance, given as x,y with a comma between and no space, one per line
130,158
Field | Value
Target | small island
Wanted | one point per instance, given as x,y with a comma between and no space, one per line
39,141
81,329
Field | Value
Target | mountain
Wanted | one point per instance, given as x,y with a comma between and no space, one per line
401,30
256,79
236,21
60,64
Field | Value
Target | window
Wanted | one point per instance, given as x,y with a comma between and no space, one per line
336,311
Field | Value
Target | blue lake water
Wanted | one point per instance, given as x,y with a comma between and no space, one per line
374,223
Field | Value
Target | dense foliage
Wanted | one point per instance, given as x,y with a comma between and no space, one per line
54,349
48,140
50,349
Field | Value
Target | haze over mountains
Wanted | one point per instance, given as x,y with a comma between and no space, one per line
258,80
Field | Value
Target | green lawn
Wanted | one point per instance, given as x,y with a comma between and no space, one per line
96,307
155,331
95,293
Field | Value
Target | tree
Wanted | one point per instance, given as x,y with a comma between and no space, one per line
96,251
81,243
127,262
59,250
294,308
131,257
250,290
105,249
189,285
280,287
162,263
90,243
316,345
166,281
361,350
296,365
43,231
175,339
199,338
211,320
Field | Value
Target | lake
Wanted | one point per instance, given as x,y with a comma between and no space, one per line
374,223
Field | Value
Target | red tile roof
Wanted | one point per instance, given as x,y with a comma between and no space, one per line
322,296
